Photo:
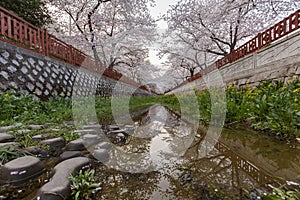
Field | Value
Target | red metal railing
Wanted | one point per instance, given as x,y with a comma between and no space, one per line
19,32
279,30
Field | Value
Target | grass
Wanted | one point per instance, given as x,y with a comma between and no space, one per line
83,185
27,109
272,106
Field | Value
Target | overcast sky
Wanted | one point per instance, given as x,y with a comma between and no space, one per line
160,9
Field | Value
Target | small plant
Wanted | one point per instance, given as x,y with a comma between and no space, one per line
83,185
8,153
280,194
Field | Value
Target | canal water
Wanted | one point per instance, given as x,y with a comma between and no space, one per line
161,156
162,159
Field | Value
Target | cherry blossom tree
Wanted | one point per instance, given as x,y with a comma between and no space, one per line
115,32
199,30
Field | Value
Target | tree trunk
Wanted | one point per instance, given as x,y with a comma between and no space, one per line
96,56
99,64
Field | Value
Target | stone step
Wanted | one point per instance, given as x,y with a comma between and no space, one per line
59,186
4,137
21,170
56,145
76,145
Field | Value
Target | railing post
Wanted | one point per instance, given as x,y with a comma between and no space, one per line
259,41
46,44
42,41
297,16
9,29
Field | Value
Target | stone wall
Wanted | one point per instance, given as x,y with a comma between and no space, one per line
279,61
22,69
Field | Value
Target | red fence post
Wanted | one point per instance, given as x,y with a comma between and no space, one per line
259,40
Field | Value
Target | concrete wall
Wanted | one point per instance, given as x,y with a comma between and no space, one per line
279,61
22,69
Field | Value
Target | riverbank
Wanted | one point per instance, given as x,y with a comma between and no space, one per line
272,107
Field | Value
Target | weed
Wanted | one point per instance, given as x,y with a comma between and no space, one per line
83,185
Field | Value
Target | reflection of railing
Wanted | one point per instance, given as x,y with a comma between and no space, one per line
260,176
279,30
19,32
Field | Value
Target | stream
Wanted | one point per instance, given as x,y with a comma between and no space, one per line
160,156
162,159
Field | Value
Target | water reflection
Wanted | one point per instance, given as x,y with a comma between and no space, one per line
169,147
163,139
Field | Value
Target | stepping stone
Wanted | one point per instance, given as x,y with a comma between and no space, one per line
69,123
113,127
129,129
21,170
4,137
7,128
90,139
101,155
86,131
55,144
23,131
38,151
39,137
104,145
36,127
69,154
129,126
76,145
120,138
59,186
95,127
115,132
9,145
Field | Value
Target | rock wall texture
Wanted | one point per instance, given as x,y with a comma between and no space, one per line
24,70
279,61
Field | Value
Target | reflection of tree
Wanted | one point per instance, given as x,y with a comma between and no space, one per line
223,167
139,155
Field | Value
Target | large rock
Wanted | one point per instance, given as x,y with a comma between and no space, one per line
20,170
59,186
4,137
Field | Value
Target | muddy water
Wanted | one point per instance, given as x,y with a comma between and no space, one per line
162,159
